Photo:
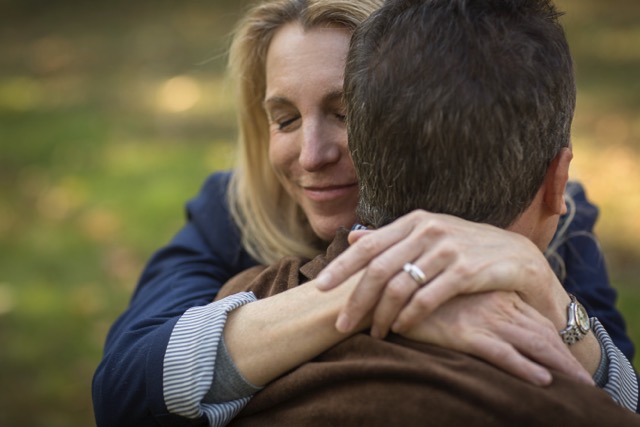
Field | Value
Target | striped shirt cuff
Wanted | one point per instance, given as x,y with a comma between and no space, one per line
622,383
190,359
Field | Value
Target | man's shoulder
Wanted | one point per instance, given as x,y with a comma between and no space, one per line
266,280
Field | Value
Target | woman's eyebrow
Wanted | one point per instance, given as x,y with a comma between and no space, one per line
276,101
334,95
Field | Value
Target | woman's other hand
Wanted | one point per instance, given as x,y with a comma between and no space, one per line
503,330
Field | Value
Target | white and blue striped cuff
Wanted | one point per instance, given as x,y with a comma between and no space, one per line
190,359
622,383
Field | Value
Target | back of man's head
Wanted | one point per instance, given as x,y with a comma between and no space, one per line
457,106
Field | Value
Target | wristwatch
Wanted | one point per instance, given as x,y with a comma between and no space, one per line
578,323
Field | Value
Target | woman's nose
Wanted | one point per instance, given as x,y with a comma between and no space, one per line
321,145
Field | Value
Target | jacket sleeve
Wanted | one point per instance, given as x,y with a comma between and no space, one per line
575,251
188,272
618,378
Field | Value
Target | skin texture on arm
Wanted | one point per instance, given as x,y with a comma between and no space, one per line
269,337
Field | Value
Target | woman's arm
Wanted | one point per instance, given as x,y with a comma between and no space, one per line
518,356
495,326
271,336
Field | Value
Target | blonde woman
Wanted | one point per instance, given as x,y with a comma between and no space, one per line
165,361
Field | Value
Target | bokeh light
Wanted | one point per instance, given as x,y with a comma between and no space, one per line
179,94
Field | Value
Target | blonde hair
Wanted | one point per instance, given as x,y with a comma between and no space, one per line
271,223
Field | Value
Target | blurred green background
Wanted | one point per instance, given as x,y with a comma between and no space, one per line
113,113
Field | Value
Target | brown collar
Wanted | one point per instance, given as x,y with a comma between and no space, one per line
339,244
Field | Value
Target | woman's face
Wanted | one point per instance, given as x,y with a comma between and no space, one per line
308,136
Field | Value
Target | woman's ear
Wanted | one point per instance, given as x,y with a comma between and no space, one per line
555,181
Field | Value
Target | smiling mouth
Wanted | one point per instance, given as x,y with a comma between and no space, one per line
330,192
330,187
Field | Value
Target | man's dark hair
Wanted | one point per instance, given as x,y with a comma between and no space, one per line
457,106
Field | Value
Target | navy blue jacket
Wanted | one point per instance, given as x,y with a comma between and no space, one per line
191,269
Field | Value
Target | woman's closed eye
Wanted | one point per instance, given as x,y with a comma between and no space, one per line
285,123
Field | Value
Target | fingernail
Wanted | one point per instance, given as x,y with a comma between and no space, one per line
322,280
543,377
396,327
375,332
586,378
343,324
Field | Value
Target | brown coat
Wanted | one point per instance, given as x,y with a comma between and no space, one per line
397,382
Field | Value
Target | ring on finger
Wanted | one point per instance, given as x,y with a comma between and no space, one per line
415,273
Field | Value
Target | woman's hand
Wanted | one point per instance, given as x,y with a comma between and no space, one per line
501,329
457,257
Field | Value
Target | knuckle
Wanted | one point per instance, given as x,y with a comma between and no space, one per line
397,290
449,253
463,271
377,269
500,352
356,303
418,215
338,265
382,320
503,302
538,347
431,229
367,244
423,303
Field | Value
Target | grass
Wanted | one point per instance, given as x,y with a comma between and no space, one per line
112,116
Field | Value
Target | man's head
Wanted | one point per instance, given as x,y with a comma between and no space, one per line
460,107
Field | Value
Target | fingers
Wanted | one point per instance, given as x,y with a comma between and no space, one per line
396,295
541,342
387,287
458,276
378,284
426,300
364,251
402,289
355,235
524,344
506,357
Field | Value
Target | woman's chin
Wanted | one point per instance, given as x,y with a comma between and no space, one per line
326,229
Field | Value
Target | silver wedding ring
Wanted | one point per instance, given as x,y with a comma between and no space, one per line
415,273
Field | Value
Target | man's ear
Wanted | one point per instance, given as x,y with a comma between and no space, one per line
555,181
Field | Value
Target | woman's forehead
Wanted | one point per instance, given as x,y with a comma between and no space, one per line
299,58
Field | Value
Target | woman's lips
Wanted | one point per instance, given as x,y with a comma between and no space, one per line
329,192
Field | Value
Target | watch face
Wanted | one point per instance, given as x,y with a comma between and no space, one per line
583,319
